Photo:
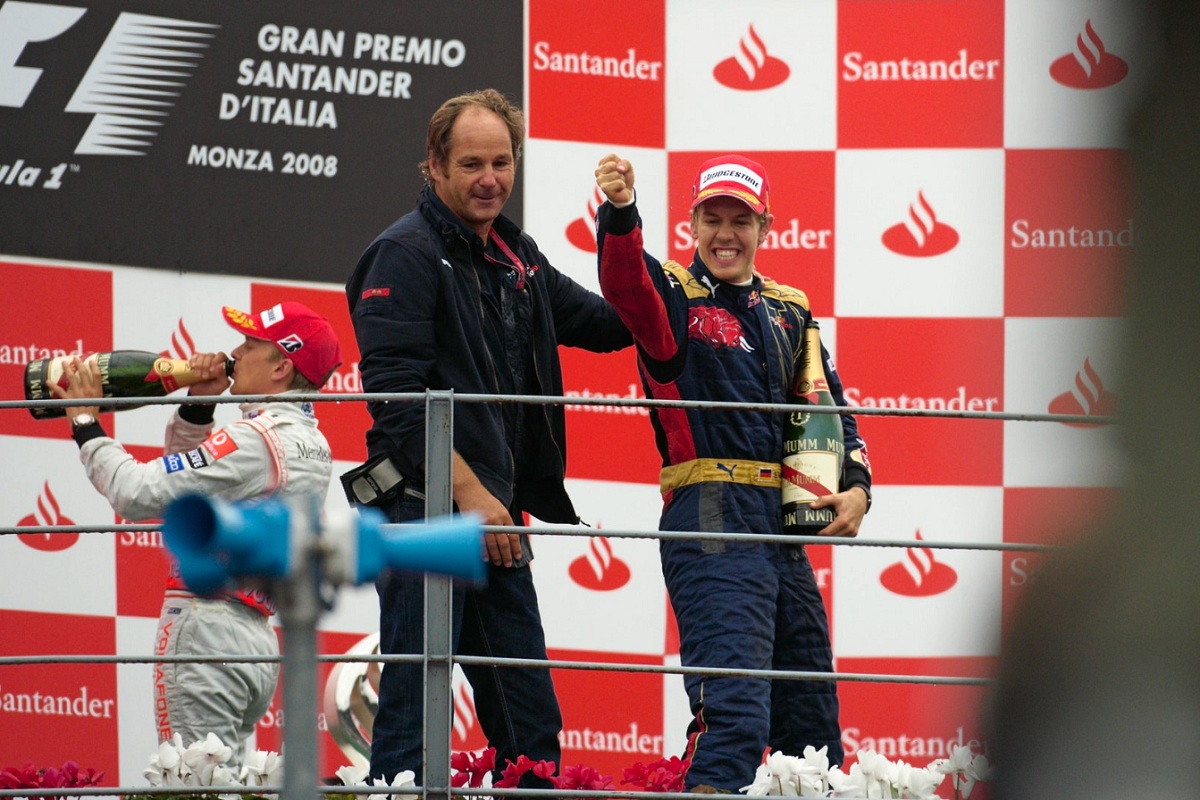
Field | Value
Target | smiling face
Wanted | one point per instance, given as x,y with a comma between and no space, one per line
477,175
728,233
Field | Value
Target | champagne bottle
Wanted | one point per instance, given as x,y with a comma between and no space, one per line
813,447
123,373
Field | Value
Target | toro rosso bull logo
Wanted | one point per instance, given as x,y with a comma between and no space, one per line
716,327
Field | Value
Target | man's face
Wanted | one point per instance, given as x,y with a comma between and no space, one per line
728,234
477,176
257,360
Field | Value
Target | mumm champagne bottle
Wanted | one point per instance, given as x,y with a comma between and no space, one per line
813,447
123,373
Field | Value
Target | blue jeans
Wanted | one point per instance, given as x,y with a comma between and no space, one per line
750,606
516,706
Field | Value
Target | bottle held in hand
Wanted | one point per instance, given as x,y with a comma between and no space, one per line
813,447
123,373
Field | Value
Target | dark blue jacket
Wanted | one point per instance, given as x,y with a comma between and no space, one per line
418,299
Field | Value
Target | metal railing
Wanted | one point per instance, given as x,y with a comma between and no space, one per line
438,660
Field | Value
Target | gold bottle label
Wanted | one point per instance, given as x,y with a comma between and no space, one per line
174,373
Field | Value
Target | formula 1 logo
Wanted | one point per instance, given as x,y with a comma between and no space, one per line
132,83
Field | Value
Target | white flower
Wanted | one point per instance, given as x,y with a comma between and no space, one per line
764,783
852,784
774,777
401,781
877,773
959,760
965,767
788,776
205,756
770,784
981,768
221,776
166,765
263,768
916,782
817,759
351,775
873,775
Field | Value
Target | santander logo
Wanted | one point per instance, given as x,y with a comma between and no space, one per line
182,344
1090,66
751,68
921,234
467,733
582,232
1087,397
598,569
919,574
48,513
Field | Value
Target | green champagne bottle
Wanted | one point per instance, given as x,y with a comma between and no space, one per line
813,447
123,373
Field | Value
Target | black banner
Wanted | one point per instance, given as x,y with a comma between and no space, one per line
268,139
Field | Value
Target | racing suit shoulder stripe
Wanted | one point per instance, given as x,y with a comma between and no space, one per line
692,288
265,426
786,294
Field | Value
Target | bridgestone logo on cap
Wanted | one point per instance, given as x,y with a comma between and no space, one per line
732,172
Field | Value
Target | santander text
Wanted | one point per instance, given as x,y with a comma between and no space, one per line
857,68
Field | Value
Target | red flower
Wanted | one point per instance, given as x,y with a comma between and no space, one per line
29,777
471,770
664,775
581,777
513,772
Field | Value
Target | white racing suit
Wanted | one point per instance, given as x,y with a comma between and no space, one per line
275,449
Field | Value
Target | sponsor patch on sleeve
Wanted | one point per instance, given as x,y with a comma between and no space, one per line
173,462
197,458
218,445
378,291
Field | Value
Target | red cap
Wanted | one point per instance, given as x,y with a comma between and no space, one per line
300,333
733,176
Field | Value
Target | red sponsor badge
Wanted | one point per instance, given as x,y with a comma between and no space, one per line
219,444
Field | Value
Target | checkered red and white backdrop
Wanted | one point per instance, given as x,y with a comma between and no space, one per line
950,190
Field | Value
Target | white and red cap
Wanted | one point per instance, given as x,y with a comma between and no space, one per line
300,333
733,176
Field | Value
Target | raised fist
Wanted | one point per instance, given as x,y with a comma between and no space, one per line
614,176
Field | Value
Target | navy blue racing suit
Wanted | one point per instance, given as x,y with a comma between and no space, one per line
741,605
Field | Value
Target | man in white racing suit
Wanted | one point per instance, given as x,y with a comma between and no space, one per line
275,449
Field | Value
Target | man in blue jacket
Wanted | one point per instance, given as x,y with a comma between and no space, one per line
455,296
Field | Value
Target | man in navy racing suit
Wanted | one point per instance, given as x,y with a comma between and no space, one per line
720,331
